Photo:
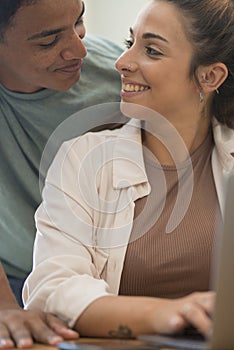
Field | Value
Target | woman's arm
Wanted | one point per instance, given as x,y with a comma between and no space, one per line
127,317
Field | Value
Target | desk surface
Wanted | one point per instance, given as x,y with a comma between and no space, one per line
105,344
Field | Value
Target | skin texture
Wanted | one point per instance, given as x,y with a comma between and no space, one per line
160,63
31,61
20,327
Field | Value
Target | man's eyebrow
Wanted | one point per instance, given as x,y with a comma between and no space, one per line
151,36
45,33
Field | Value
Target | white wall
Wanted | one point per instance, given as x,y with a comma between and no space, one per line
111,18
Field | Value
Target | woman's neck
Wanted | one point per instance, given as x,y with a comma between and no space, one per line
175,141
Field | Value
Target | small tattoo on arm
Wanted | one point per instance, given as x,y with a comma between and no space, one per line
122,332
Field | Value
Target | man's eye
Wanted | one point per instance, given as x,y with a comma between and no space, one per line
128,43
50,44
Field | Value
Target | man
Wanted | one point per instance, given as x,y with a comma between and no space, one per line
42,54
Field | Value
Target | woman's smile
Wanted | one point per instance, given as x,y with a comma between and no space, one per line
131,88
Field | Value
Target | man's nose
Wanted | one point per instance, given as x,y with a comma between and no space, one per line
75,48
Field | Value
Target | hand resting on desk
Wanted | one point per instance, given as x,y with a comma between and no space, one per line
20,327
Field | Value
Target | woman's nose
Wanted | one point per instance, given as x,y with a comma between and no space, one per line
124,64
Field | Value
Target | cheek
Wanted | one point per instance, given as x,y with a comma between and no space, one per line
45,60
154,73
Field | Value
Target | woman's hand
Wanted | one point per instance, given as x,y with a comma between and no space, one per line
172,316
20,328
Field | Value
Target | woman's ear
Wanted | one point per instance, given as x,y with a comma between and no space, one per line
212,77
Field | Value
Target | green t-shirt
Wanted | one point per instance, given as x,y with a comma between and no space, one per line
26,122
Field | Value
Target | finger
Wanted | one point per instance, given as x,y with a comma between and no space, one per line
34,327
60,327
6,343
5,340
196,316
207,302
42,333
20,334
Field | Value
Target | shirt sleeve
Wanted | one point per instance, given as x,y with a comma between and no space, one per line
66,276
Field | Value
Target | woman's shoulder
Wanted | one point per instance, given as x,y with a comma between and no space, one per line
91,139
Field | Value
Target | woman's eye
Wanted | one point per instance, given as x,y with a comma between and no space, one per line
128,43
152,52
50,44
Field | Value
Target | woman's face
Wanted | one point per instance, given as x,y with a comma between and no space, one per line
43,46
159,55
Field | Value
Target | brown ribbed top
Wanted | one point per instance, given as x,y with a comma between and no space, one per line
173,264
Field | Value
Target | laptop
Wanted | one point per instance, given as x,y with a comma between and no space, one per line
223,320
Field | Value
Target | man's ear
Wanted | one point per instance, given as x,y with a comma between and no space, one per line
212,77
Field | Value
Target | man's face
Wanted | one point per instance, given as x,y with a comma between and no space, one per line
43,46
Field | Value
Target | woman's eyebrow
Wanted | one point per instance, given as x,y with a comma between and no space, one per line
154,36
45,33
151,36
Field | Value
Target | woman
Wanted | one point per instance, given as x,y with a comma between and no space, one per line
109,244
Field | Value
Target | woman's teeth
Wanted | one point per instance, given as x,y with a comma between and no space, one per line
134,88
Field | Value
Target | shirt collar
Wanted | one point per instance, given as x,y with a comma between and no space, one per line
224,141
128,161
